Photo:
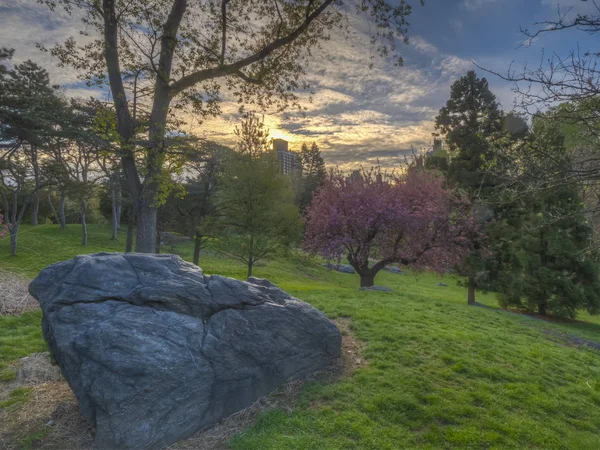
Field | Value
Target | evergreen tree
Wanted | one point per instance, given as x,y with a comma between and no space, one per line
313,175
470,117
30,112
547,265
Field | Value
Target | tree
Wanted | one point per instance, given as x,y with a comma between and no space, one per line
30,112
104,126
256,210
570,79
313,174
190,51
76,154
411,219
194,214
470,118
552,268
17,188
253,137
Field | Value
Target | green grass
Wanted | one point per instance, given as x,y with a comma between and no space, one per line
16,397
440,374
28,441
19,336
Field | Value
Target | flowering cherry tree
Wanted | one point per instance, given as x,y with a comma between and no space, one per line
411,219
3,227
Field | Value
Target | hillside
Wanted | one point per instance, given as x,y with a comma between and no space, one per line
439,374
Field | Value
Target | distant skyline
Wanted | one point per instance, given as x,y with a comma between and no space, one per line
358,115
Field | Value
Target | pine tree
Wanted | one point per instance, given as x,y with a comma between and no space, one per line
548,265
470,117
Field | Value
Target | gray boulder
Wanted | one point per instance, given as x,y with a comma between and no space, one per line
344,268
155,350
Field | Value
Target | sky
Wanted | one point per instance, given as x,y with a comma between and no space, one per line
356,114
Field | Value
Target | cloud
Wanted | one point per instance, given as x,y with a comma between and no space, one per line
358,113
25,23
477,4
577,5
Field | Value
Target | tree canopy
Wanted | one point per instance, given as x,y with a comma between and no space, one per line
411,219
256,210
187,53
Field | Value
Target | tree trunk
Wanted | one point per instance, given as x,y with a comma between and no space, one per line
251,259
197,244
84,234
14,232
115,223
35,209
119,206
542,309
130,225
54,213
158,236
36,196
367,279
61,209
145,241
471,291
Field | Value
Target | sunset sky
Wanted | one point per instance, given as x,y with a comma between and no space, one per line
358,115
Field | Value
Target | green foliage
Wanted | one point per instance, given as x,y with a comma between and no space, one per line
471,116
547,263
30,108
253,137
256,208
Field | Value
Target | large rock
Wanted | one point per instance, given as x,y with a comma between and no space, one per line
155,350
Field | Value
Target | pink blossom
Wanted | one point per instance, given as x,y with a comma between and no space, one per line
409,219
3,227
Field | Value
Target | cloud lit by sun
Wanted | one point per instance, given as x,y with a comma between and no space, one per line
357,113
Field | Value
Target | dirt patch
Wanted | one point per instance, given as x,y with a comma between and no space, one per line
37,368
32,370
352,349
14,294
51,420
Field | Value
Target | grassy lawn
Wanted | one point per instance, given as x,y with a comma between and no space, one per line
440,374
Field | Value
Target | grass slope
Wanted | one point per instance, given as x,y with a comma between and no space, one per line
440,374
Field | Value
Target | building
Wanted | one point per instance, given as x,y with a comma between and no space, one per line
289,162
